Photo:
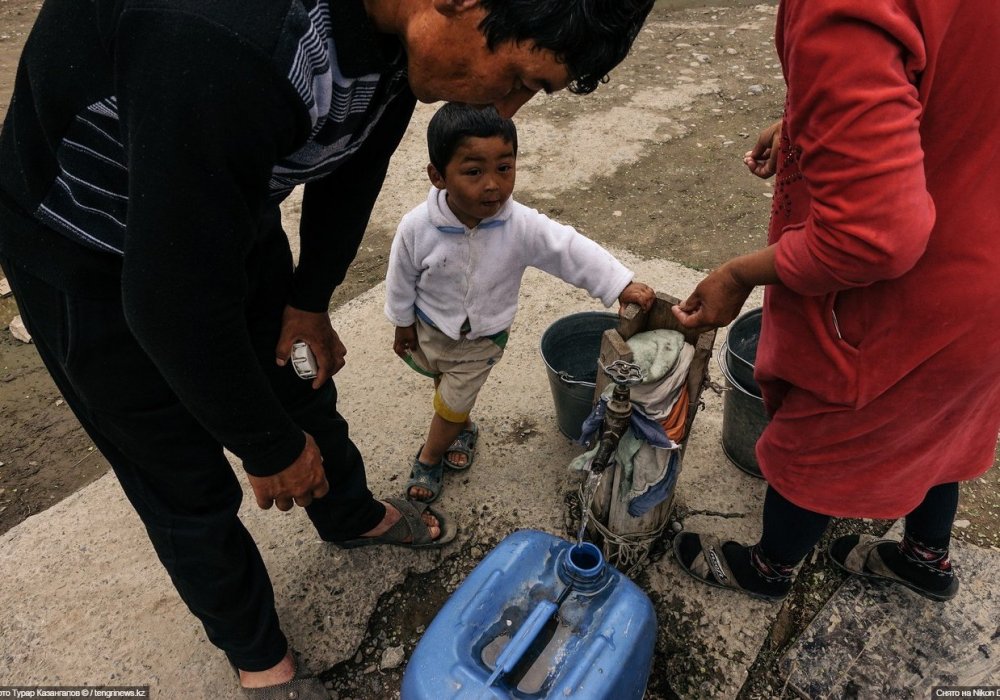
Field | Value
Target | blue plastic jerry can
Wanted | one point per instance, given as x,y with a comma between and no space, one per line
539,617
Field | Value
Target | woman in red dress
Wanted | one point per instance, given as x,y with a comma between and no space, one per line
877,357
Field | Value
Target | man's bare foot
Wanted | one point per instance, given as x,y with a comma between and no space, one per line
392,516
282,672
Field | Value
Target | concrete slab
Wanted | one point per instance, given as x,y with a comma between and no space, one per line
87,603
877,640
712,636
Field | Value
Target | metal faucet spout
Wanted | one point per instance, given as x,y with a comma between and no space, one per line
619,410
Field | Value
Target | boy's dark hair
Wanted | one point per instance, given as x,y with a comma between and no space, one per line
455,122
590,36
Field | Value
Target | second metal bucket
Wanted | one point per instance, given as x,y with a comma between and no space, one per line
743,415
570,349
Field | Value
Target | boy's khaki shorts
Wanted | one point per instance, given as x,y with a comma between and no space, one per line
459,368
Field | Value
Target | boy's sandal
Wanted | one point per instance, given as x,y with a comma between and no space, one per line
426,476
465,444
709,565
410,526
858,554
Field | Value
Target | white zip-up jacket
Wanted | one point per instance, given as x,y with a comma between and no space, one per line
449,273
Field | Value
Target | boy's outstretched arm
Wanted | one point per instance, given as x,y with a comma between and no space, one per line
637,293
405,340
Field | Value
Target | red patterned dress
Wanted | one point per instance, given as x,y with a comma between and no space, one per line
879,355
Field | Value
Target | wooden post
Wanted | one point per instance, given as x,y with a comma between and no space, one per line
609,507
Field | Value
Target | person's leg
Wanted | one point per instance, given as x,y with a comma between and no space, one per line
920,560
790,532
349,509
465,369
928,526
440,435
171,470
460,368
439,438
767,568
922,555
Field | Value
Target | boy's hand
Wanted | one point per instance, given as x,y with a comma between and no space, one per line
405,340
637,293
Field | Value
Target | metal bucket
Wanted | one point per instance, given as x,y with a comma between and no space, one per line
740,349
570,349
743,415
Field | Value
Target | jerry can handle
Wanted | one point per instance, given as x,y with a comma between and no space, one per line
515,649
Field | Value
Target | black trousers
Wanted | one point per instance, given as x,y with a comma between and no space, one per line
173,471
790,532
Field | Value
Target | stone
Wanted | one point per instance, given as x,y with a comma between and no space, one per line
4,287
391,658
18,330
756,89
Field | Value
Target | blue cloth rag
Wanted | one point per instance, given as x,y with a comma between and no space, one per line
642,427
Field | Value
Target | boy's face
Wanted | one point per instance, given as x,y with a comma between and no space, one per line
448,60
479,178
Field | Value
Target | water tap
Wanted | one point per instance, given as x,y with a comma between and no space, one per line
619,410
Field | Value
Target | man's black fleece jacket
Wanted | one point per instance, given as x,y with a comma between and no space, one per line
147,146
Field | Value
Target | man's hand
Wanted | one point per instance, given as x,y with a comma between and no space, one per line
405,340
762,159
298,484
637,293
315,330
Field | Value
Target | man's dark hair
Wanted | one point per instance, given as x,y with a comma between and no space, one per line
455,122
590,36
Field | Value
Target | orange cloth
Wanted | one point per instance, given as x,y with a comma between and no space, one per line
674,423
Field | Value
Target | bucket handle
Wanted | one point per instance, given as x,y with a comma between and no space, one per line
567,378
733,384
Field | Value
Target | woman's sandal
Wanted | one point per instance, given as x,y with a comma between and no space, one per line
425,476
465,444
710,566
410,526
858,554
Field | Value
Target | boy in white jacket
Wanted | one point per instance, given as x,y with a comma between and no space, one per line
455,271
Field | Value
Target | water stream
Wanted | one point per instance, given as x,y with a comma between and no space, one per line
589,489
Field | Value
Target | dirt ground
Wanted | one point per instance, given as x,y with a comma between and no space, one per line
687,198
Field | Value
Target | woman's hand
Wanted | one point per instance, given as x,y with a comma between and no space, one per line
718,298
715,302
762,159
